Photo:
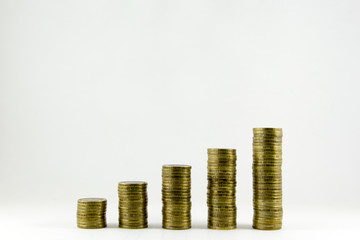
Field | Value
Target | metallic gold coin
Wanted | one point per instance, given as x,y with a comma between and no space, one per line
221,150
258,165
177,212
220,172
215,209
176,187
221,169
277,216
92,221
175,193
173,224
269,224
173,180
92,201
267,146
176,221
264,227
183,207
267,139
266,205
210,195
132,183
270,183
267,172
268,221
219,226
165,226
268,130
221,216
85,226
179,173
269,167
221,166
176,171
267,142
222,160
267,155
91,214
177,166
267,214
267,193
134,226
91,210
267,178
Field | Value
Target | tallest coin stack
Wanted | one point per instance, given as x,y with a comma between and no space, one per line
267,181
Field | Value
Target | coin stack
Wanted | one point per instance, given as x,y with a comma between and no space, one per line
91,213
221,195
176,196
267,184
133,204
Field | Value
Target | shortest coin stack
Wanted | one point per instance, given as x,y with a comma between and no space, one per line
133,204
91,213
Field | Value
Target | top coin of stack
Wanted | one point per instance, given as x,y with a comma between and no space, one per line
267,181
221,196
91,213
176,196
133,204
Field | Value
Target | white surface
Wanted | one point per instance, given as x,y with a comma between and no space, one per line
96,92
59,223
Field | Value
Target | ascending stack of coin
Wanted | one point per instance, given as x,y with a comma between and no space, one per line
267,183
221,195
133,204
176,196
91,213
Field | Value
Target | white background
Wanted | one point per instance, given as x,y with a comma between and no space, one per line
95,92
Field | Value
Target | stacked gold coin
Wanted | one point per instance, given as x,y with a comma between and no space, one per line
133,204
91,213
221,195
176,196
267,183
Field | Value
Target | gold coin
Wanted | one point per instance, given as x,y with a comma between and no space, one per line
221,150
267,130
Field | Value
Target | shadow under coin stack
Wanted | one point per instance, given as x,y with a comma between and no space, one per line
267,183
221,195
91,213
133,204
176,196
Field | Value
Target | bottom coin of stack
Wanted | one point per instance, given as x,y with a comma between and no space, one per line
91,213
267,183
221,195
133,204
176,196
